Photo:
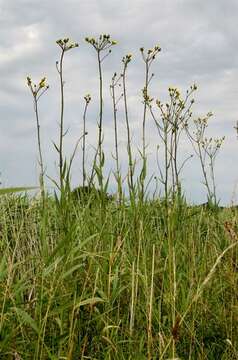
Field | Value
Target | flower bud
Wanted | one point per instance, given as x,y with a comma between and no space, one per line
28,81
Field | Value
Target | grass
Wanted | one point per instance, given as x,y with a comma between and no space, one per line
84,275
132,284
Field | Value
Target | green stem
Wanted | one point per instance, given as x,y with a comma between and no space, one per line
41,177
143,129
131,182
61,121
84,135
100,117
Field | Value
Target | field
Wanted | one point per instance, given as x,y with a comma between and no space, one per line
109,281
135,275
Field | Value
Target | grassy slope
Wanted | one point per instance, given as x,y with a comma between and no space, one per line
116,283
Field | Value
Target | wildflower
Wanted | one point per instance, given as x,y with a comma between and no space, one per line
103,42
87,98
35,89
157,48
28,81
42,83
126,59
66,45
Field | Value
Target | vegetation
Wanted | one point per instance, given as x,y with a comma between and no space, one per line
88,275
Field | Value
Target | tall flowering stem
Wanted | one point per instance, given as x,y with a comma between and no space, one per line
174,119
65,46
87,99
37,91
206,149
101,45
116,82
126,60
148,58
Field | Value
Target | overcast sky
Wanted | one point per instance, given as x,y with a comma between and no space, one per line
199,44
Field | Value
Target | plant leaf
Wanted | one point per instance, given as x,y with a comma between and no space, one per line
26,318
90,301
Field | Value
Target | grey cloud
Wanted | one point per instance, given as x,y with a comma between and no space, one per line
198,41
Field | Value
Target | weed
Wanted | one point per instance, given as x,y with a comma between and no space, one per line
87,277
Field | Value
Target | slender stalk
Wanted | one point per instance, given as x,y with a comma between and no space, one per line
148,59
41,177
115,102
145,108
112,87
151,295
84,171
213,179
65,45
143,129
167,162
126,61
202,161
132,305
103,43
61,135
100,106
87,99
37,91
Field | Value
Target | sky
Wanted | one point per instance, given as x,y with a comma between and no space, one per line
199,41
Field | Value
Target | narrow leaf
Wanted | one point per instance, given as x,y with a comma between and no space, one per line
26,318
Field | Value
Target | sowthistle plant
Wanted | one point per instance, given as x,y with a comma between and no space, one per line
206,149
65,45
116,82
126,60
174,117
148,57
37,91
101,45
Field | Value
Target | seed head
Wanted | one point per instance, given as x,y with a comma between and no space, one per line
65,44
28,80
87,98
42,83
157,48
59,42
